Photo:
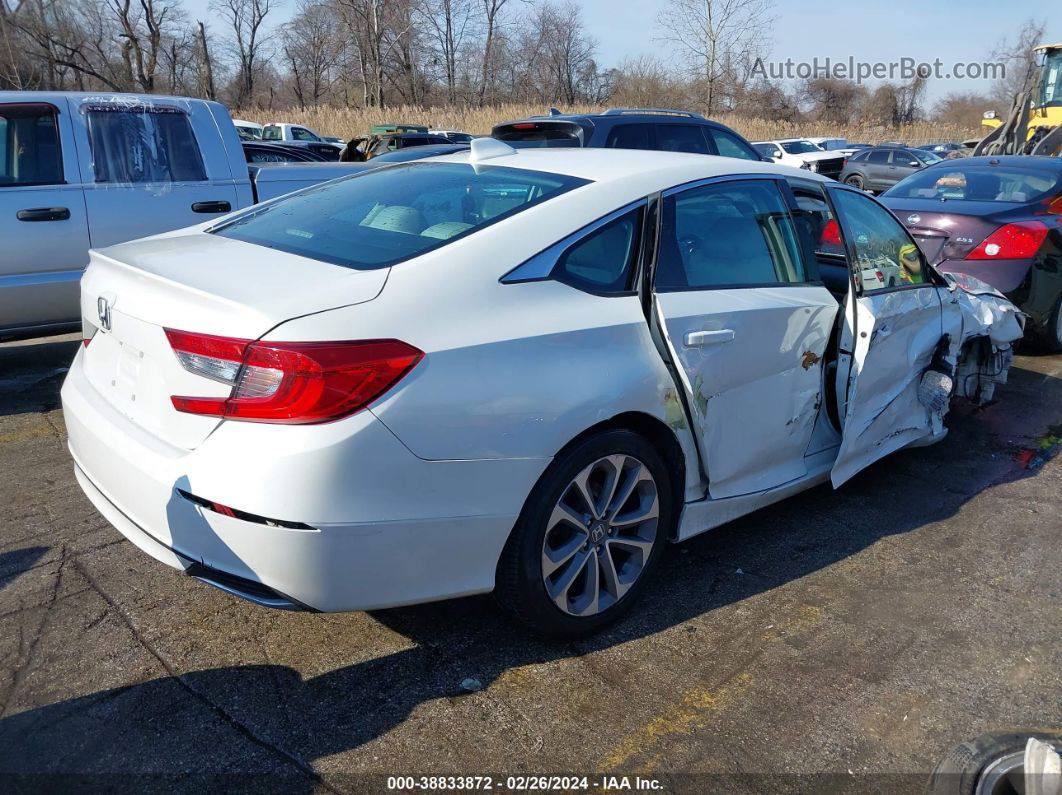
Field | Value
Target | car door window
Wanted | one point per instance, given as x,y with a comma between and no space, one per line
880,157
143,144
885,255
603,261
681,138
730,146
737,233
29,145
903,159
630,136
300,134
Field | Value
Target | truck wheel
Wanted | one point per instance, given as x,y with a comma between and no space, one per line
589,536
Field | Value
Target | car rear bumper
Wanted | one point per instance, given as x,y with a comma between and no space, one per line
379,529
1005,275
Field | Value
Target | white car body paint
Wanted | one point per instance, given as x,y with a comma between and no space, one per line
772,396
797,160
413,498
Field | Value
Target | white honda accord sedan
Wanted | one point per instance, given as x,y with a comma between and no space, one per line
523,372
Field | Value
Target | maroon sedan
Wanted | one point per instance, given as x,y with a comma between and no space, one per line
996,218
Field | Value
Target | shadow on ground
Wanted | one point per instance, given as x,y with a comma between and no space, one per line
32,373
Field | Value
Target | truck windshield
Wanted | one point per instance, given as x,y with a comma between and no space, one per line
799,147
382,217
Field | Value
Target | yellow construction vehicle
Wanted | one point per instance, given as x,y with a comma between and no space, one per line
1034,124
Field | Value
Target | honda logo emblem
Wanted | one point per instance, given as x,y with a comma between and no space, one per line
103,309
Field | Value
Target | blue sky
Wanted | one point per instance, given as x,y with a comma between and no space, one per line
868,31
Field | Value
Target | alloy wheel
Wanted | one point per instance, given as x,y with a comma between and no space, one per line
600,535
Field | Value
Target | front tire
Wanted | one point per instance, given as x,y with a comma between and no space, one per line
589,536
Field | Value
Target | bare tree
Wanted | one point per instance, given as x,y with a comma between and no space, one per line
567,50
142,28
206,86
1018,59
312,49
448,22
719,40
378,33
831,99
492,10
248,40
965,108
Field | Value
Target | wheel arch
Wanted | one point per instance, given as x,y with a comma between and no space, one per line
654,430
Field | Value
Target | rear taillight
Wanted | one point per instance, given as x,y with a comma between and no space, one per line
831,233
290,382
1019,240
88,331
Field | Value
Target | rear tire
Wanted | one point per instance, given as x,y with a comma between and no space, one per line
855,181
575,563
1049,335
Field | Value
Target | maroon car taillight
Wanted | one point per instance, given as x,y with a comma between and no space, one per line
1018,240
290,382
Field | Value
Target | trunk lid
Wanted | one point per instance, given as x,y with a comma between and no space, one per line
948,230
193,282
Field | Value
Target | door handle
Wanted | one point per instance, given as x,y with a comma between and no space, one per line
211,207
695,339
44,214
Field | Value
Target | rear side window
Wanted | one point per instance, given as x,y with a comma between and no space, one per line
728,234
857,157
880,156
143,144
681,138
300,134
630,136
525,135
602,262
29,136
730,145
382,217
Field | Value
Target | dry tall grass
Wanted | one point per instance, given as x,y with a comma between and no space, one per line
348,122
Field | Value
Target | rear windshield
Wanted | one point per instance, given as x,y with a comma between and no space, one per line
381,217
272,133
1012,184
525,135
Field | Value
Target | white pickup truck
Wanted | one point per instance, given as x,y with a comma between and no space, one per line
80,171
